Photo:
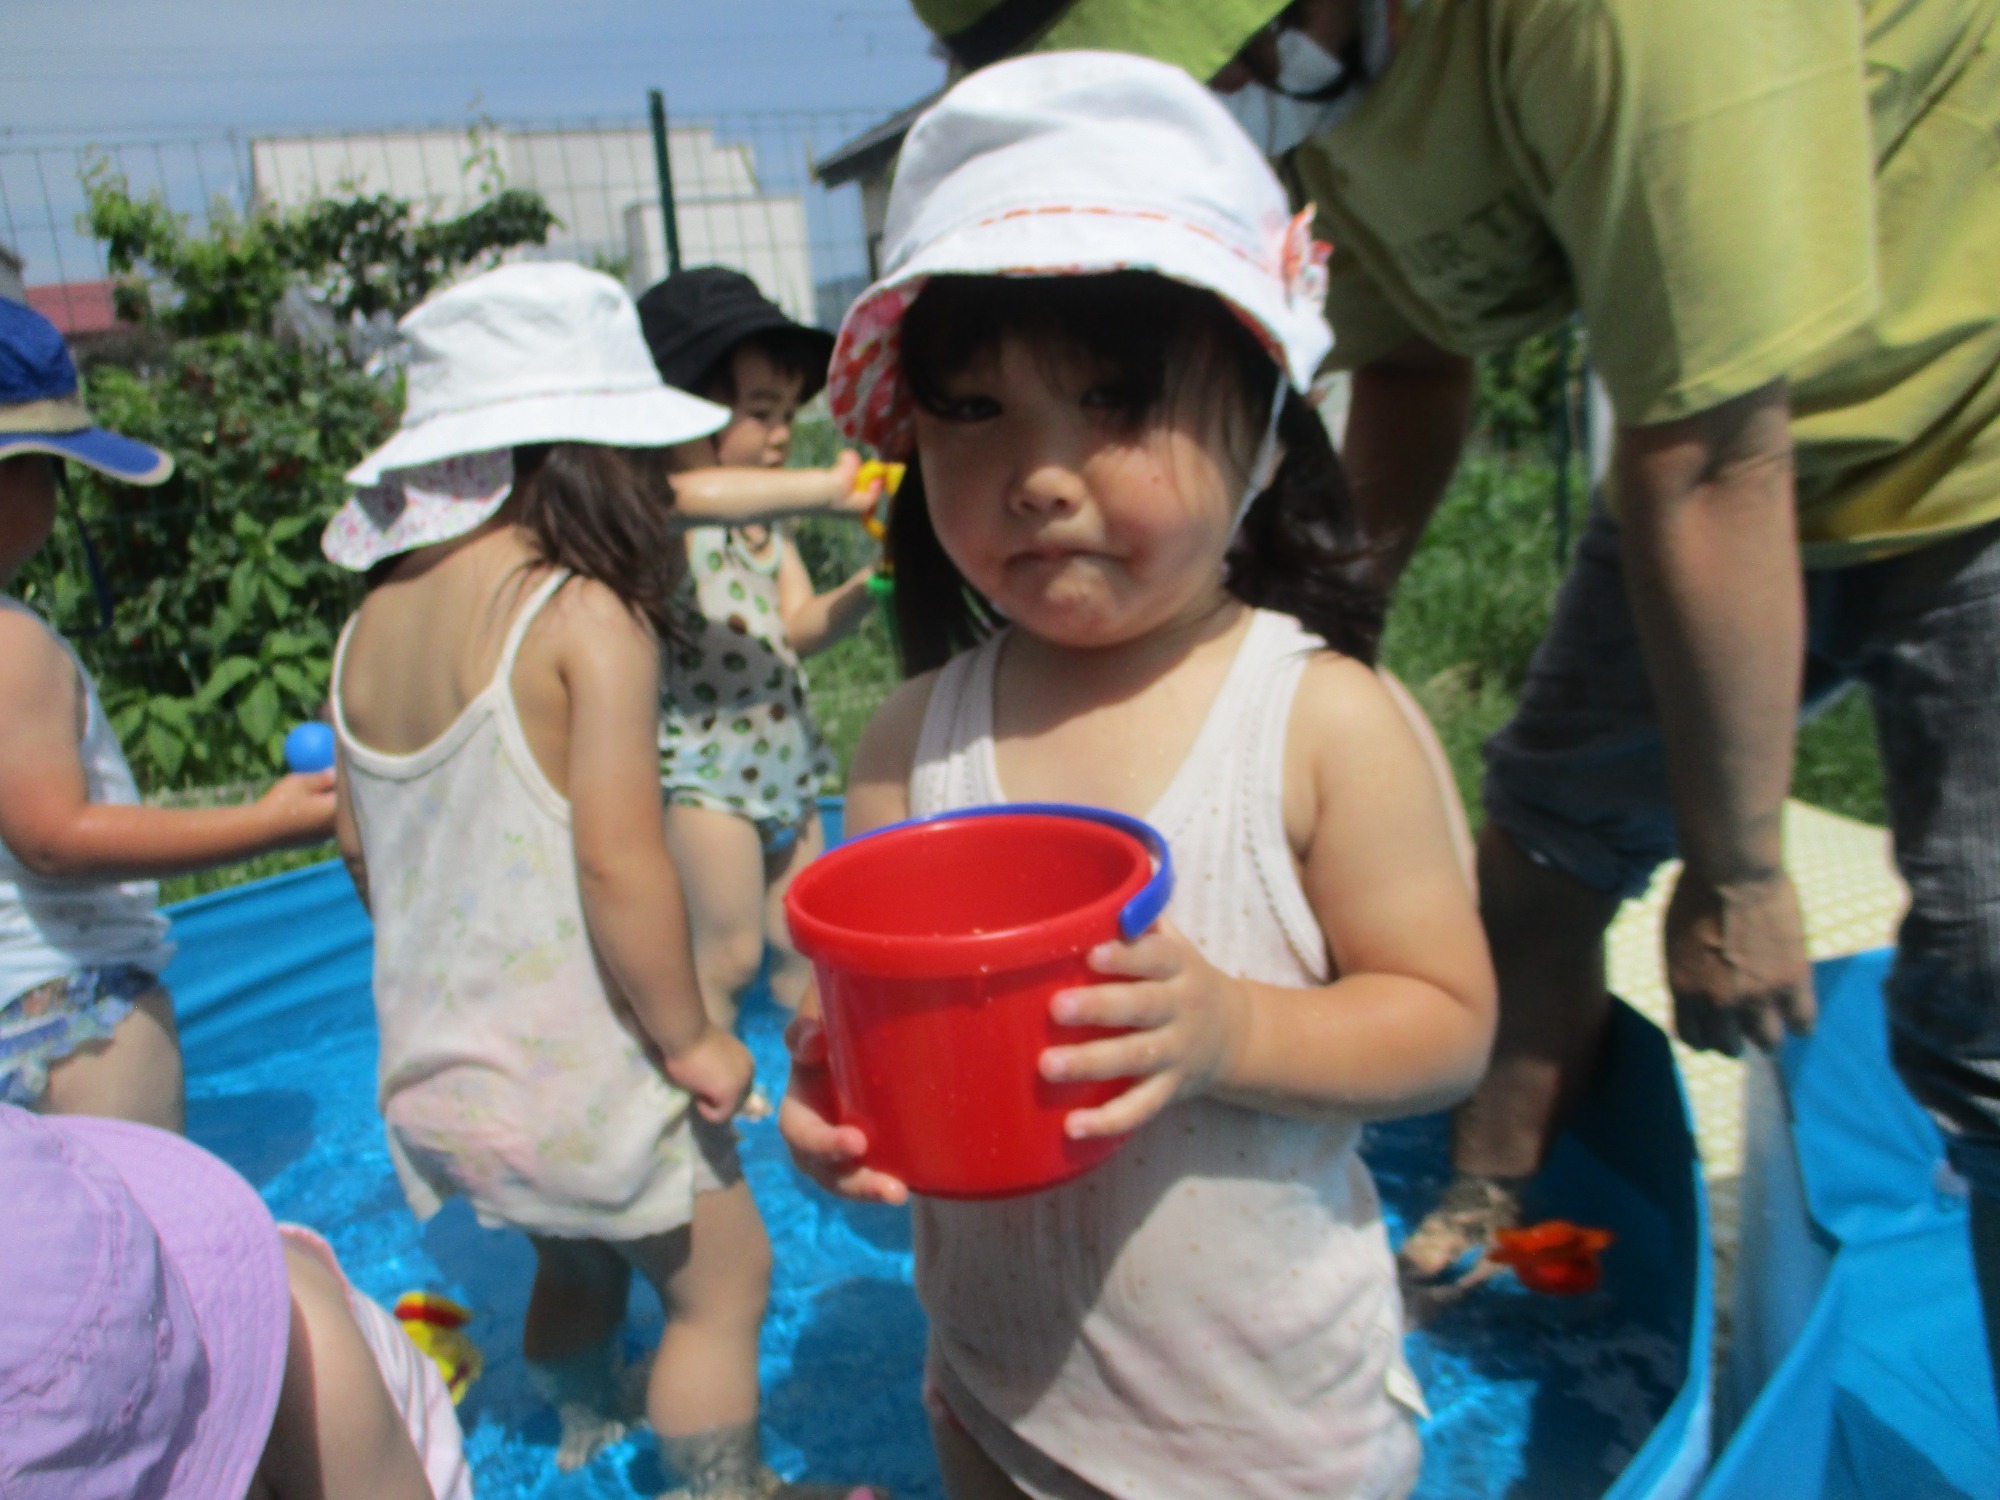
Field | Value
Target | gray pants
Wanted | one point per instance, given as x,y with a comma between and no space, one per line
1578,778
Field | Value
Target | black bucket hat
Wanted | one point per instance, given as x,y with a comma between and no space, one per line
695,317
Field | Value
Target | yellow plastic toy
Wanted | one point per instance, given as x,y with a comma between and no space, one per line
876,523
436,1325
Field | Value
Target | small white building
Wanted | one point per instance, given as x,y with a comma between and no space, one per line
599,182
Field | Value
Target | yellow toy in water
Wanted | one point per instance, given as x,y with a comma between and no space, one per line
436,1325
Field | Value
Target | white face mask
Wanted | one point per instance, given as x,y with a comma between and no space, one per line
1314,90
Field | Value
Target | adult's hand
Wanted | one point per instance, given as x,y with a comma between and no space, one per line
1736,963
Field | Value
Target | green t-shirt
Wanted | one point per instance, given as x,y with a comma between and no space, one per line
1730,191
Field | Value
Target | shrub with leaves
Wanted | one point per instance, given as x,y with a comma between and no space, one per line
225,612
223,629
361,255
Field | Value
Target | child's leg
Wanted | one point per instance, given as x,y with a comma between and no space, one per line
789,969
721,863
337,1433
570,1341
135,1075
713,1278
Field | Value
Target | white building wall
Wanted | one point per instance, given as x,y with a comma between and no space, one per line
600,183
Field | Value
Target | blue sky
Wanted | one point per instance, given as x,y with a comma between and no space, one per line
99,68
173,87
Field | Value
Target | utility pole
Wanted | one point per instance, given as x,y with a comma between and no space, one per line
669,220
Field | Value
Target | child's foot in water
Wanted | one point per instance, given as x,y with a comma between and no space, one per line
593,1393
1445,1255
726,1463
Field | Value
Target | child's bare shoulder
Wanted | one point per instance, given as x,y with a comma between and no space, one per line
1347,733
584,609
33,664
1340,695
888,746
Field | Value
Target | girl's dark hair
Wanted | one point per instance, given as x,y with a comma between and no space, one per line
795,351
604,513
1299,551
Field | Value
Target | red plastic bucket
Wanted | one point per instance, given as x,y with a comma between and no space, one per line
938,945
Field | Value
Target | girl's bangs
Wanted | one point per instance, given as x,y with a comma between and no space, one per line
1146,332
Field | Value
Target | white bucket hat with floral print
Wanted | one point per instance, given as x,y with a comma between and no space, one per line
533,352
1080,163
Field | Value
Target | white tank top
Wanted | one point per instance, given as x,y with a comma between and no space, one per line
508,1073
51,927
1214,1310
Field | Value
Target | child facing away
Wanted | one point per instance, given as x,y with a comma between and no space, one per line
160,1335
86,1027
544,1050
740,757
1126,570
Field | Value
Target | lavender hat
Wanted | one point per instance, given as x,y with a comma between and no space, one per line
144,1315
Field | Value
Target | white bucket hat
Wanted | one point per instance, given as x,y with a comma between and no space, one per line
533,352
1080,163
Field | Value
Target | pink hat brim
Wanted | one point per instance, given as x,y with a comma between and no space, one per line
224,1243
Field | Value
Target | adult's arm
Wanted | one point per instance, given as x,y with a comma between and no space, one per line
1711,558
1406,426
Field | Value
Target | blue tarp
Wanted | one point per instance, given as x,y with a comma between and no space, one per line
1859,1351
1533,1396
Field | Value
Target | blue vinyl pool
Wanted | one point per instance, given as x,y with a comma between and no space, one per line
1604,1394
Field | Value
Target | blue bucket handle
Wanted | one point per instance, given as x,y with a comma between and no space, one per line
1144,909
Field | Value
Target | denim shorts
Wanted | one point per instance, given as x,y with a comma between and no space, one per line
1578,778
47,1023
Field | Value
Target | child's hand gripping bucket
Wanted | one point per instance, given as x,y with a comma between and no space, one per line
938,945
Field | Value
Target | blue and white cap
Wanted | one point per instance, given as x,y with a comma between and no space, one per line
42,410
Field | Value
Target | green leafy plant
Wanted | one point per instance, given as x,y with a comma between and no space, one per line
223,630
359,253
1526,392
223,626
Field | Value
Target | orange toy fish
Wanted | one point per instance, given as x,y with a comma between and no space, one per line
436,1325
1557,1258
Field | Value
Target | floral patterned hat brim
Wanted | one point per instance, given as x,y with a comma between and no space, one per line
419,507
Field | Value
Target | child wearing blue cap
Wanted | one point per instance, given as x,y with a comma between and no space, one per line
85,1025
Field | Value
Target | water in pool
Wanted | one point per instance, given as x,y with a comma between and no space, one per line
281,1083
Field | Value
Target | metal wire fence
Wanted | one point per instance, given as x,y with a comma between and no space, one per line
743,194
743,191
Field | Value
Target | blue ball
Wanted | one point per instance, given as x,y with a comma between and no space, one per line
309,747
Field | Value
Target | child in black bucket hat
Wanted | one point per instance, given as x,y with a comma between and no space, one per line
740,757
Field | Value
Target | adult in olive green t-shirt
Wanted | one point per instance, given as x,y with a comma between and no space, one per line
1777,220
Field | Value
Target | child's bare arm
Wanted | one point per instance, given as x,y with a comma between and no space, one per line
1407,1025
739,496
48,820
815,621
631,893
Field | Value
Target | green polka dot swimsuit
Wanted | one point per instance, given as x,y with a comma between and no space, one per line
735,733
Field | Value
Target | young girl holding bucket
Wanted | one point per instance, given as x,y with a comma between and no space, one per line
544,1048
1127,542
